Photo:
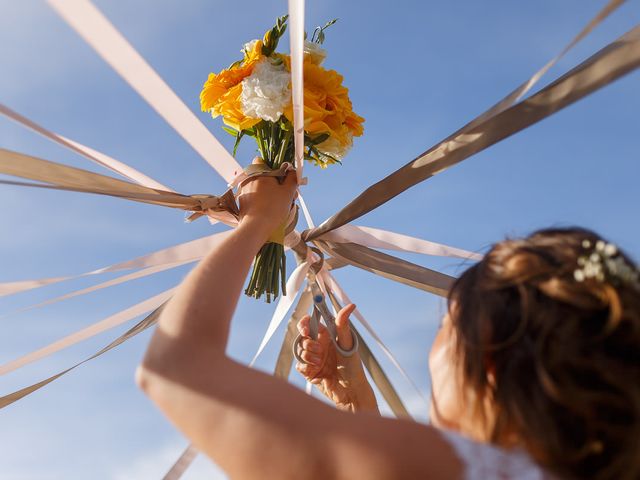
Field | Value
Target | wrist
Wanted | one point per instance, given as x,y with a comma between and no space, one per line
258,227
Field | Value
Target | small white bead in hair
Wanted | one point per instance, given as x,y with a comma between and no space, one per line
602,262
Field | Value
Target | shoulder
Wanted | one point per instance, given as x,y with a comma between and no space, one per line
482,461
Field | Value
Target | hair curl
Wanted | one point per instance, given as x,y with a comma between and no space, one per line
559,360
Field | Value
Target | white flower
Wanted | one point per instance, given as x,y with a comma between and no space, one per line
332,147
248,47
315,52
266,92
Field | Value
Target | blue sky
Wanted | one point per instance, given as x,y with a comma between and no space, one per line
416,70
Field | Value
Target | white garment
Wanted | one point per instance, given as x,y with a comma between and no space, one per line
482,461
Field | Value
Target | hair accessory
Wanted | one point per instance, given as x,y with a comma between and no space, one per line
603,262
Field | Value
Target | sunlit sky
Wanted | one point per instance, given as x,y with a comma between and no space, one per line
417,70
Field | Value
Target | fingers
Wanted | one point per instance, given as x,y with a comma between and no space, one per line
305,330
345,338
311,358
309,372
303,326
311,352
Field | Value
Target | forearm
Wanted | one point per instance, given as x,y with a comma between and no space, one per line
362,401
198,316
366,400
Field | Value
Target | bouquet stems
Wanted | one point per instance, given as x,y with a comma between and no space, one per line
269,268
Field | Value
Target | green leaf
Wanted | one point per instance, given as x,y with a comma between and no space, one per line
235,145
315,32
231,131
282,20
316,140
329,23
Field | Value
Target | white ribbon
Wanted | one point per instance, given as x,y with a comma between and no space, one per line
305,211
181,465
88,332
294,285
109,43
526,86
188,251
344,300
296,36
93,155
145,272
384,239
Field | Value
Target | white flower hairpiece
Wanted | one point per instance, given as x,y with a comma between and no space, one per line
603,262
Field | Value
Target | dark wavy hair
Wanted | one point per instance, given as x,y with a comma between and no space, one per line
558,359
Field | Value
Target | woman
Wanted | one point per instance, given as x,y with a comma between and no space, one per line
533,357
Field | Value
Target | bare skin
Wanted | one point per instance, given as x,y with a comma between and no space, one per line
252,424
341,379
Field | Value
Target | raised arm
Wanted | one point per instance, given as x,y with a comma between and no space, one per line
251,424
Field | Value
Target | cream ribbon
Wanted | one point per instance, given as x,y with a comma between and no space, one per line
296,36
390,267
384,239
183,252
145,272
294,284
528,84
335,288
137,328
376,372
87,3
93,155
612,62
88,332
108,42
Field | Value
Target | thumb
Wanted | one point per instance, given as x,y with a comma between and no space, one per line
345,339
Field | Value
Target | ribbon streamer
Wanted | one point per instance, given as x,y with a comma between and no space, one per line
342,296
479,134
63,177
145,272
183,252
93,155
375,370
612,62
296,36
88,332
136,329
294,284
380,379
390,267
525,87
377,238
186,459
108,42
285,357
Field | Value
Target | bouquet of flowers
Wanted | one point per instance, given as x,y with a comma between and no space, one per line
253,96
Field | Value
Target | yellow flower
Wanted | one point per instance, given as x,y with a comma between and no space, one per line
230,107
221,92
327,107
